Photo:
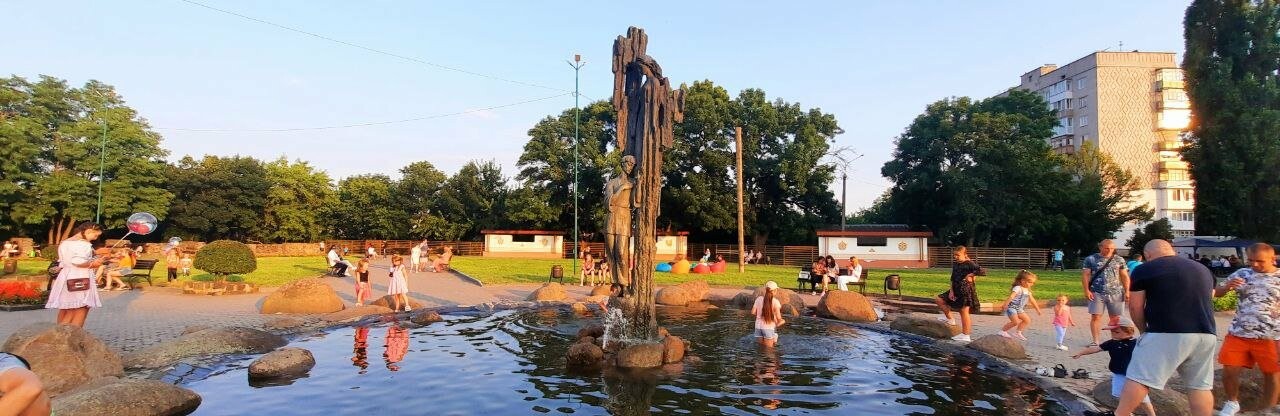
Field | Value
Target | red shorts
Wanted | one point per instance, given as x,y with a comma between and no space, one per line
1246,352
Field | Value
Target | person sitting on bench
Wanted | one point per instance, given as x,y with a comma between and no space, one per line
336,262
855,274
818,274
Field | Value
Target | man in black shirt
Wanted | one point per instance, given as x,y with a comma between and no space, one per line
1171,301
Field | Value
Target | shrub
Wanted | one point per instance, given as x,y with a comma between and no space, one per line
1227,302
19,293
49,252
235,278
225,257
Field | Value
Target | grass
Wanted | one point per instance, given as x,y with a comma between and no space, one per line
915,282
271,271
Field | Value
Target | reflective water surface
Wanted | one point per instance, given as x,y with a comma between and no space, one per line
512,363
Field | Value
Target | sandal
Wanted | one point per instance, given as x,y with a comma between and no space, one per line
1080,373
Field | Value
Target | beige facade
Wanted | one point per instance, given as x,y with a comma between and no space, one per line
1130,105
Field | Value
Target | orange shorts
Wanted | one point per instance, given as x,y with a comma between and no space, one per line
1246,352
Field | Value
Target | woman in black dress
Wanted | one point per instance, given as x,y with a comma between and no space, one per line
962,296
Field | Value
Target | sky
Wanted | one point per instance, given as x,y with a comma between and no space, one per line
475,76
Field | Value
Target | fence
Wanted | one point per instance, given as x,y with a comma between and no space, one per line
996,258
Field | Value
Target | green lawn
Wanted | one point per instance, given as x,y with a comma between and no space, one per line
915,282
272,271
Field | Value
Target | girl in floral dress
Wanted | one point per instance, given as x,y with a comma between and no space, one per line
398,286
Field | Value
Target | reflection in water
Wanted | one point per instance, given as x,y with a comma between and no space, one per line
361,349
516,361
397,346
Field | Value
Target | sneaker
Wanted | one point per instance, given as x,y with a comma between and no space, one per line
1062,347
944,319
408,309
1021,337
962,338
1229,408
1005,334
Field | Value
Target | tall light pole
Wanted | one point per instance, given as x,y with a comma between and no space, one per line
577,66
843,158
102,162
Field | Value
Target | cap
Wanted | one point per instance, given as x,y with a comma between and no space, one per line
1120,322
771,285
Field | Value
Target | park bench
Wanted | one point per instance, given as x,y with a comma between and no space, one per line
138,269
862,280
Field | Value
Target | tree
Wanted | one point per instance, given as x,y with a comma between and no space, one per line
1232,55
699,193
54,133
546,165
1098,202
296,193
225,257
1159,229
217,198
475,197
364,208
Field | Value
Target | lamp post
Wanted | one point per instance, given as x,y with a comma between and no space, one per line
577,66
843,158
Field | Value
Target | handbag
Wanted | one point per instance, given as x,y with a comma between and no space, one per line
78,285
1060,371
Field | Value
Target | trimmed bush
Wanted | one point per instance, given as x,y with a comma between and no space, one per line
1227,302
49,252
225,257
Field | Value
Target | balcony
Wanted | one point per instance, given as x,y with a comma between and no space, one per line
1170,84
1061,131
1053,98
1172,165
1170,146
1173,104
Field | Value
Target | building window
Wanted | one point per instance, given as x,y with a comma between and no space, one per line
1081,102
1177,175
873,241
1188,216
1084,121
1080,84
1182,194
1183,233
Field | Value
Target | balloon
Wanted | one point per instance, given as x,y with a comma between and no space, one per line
142,223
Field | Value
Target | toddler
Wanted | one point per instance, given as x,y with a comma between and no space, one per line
1061,320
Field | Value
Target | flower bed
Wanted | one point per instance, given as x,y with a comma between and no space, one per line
18,293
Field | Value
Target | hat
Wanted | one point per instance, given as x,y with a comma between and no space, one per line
1120,322
771,285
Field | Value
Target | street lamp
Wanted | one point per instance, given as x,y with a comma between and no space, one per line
577,65
843,158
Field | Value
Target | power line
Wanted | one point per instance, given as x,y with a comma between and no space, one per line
369,49
373,123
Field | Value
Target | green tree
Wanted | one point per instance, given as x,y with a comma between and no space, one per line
364,208
546,165
475,197
1098,201
1159,229
291,211
218,198
225,257
59,186
699,192
1232,55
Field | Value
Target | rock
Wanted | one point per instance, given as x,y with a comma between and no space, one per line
596,300
921,324
692,360
426,317
697,288
549,292
1166,402
672,349
303,296
225,340
283,323
786,296
284,362
128,397
579,308
386,302
194,328
354,313
663,332
846,306
585,353
591,331
673,296
64,356
600,290
1250,390
641,356
999,346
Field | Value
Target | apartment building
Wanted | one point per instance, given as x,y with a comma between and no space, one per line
1133,106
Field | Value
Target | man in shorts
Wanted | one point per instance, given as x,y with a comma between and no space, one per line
21,392
1106,284
1172,302
1254,331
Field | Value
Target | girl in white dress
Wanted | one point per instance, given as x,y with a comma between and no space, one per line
398,286
76,257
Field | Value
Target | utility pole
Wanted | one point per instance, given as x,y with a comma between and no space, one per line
102,162
742,263
844,190
577,66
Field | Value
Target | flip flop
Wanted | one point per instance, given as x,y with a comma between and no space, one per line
1080,373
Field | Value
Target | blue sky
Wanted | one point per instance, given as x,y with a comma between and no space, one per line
875,65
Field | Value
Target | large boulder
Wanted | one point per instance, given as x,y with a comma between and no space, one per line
921,324
1167,402
591,331
672,349
584,353
549,292
387,302
128,397
683,293
999,346
303,296
641,356
283,323
600,290
426,317
214,341
1250,390
64,356
792,304
354,313
846,306
284,362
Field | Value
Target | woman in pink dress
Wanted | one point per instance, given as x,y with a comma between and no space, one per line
77,260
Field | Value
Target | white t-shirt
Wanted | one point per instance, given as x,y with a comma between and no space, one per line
759,312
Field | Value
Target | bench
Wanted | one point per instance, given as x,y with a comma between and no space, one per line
802,279
137,273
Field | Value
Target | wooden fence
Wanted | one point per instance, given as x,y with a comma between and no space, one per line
996,258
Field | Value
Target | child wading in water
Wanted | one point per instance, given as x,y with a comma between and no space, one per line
1061,320
362,281
1120,347
1016,307
398,286
768,312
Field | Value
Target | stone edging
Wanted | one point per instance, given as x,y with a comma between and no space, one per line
18,308
464,276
